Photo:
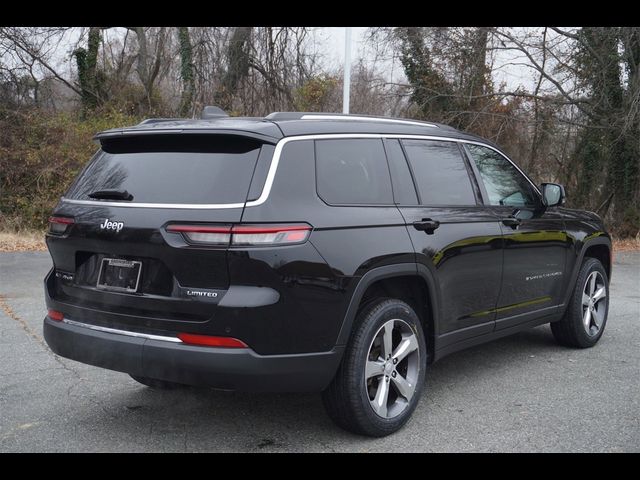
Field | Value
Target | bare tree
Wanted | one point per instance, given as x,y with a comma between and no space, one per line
237,68
151,57
31,46
587,67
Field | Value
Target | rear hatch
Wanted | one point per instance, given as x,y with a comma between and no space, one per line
116,260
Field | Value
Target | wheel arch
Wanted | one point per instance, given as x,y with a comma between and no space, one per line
600,251
403,281
598,248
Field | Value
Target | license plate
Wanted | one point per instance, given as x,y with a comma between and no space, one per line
119,275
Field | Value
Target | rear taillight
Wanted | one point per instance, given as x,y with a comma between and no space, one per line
55,315
219,235
211,341
243,235
269,234
59,225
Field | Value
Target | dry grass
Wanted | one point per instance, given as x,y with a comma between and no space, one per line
26,241
626,244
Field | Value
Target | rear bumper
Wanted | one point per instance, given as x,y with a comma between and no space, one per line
223,368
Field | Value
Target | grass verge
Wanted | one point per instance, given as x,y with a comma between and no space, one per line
626,244
26,241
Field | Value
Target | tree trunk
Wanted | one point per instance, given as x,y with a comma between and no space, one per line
622,174
148,63
431,92
238,60
142,57
186,72
87,61
478,78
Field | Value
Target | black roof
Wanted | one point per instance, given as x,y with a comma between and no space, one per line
285,124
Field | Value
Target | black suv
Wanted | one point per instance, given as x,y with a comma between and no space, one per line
312,252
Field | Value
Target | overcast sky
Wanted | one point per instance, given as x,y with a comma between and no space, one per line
331,45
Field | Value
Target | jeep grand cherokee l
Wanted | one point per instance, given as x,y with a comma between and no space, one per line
312,252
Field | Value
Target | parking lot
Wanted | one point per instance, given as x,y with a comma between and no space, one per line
522,393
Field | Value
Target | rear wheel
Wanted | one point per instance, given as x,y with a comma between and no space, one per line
380,379
586,316
156,383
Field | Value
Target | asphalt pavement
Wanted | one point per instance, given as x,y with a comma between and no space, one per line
521,393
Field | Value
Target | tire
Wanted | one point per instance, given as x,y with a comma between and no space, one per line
348,399
157,383
572,329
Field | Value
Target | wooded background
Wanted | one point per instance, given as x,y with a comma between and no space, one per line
578,124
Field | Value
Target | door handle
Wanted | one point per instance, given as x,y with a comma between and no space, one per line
426,225
512,222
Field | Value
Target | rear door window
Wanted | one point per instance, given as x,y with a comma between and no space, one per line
179,169
353,172
404,191
440,172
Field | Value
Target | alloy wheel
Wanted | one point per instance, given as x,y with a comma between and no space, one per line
594,303
392,368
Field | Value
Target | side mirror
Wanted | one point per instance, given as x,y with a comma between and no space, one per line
552,194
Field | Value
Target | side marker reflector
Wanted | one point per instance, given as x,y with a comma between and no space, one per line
210,341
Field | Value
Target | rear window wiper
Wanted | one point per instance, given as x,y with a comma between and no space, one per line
112,194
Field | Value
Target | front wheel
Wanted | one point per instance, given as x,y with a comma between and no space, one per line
380,379
586,316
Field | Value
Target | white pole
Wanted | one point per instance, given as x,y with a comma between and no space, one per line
347,70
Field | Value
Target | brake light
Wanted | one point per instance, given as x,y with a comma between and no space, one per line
55,315
211,341
59,225
243,235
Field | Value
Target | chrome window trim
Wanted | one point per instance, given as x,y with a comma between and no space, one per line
122,332
189,206
266,190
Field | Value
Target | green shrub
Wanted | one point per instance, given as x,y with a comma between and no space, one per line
40,155
315,94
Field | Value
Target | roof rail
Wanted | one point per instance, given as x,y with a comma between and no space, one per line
336,116
275,116
158,120
366,119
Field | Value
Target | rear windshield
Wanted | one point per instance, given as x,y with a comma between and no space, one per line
193,169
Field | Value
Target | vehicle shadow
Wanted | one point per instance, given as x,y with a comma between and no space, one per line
196,419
